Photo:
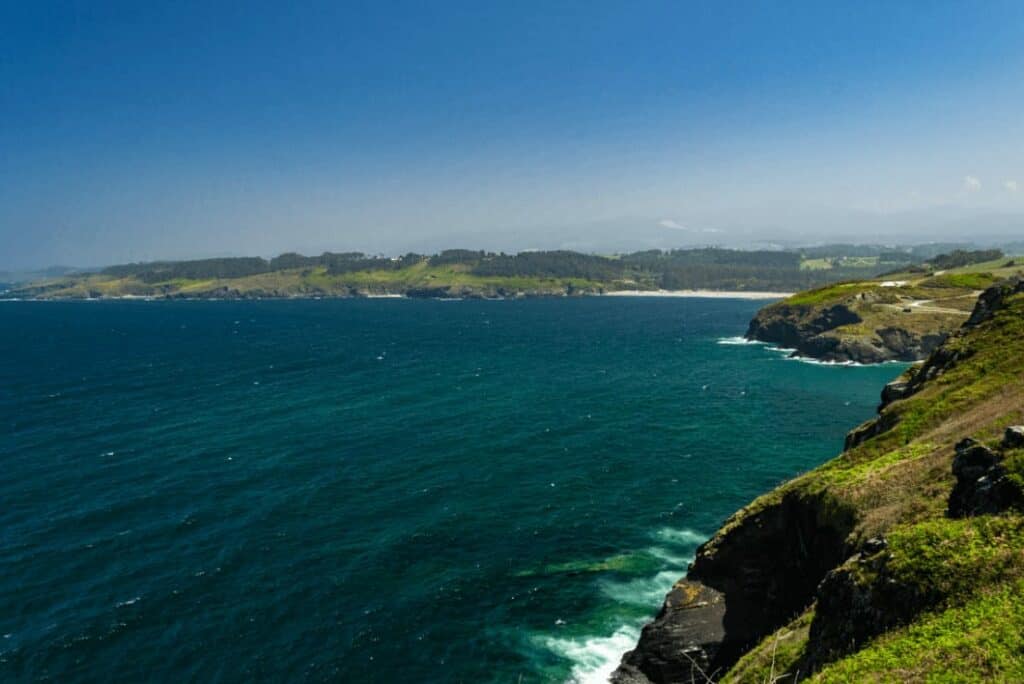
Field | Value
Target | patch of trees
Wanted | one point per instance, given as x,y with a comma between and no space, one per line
555,264
240,267
713,268
961,257
199,269
457,256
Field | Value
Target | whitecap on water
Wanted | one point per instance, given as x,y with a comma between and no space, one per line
739,340
684,536
847,364
643,591
594,658
667,556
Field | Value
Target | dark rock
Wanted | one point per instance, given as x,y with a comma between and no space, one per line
798,328
681,644
1014,437
872,428
894,391
993,299
765,568
874,545
851,611
982,486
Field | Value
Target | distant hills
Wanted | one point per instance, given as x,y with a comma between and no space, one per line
477,273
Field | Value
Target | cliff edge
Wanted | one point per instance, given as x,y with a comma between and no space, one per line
870,321
902,559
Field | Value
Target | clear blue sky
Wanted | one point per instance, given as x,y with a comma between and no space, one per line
151,130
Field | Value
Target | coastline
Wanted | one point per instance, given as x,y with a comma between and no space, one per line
707,294
700,294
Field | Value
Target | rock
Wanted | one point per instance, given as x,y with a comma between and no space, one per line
872,428
894,391
993,299
972,459
850,612
1014,437
681,644
982,486
751,580
875,545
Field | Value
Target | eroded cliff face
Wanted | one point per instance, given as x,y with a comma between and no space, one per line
745,583
817,332
922,513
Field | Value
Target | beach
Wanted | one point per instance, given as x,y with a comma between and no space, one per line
708,294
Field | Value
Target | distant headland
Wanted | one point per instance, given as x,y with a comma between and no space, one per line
462,273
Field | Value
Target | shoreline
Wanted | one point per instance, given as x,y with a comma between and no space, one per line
706,294
692,294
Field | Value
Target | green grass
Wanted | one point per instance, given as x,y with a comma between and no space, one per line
949,559
971,281
829,293
982,640
777,653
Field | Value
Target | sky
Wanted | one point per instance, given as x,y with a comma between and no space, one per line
139,131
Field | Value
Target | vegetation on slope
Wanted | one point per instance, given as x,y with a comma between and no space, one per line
928,593
460,272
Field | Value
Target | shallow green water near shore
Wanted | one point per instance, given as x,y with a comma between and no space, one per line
385,491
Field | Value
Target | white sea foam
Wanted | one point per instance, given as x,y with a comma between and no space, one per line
667,556
643,591
684,536
594,658
739,340
848,364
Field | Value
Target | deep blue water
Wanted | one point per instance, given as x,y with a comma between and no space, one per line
377,491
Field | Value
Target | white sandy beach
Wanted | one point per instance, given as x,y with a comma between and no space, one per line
709,294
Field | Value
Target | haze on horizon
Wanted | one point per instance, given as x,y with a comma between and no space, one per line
141,131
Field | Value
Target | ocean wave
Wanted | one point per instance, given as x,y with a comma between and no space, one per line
643,591
739,340
684,536
847,364
667,556
594,658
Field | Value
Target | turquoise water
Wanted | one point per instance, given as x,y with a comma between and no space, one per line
377,490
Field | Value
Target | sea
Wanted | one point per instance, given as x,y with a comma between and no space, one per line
379,490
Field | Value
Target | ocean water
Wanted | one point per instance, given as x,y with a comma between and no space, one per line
378,490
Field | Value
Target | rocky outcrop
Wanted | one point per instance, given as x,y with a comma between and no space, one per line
860,327
982,482
856,602
742,586
682,642
800,328
810,332
1014,437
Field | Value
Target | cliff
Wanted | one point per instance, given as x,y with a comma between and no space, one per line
900,560
870,321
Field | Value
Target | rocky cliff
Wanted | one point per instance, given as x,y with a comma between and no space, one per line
864,322
902,559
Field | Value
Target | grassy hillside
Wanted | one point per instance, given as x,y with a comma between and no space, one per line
314,282
460,273
927,592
